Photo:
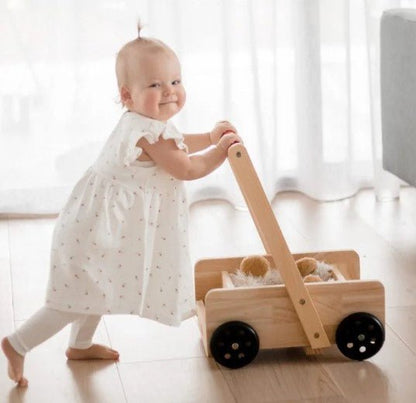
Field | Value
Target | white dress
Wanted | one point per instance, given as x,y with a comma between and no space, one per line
120,244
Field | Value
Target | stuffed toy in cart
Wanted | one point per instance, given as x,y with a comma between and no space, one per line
255,270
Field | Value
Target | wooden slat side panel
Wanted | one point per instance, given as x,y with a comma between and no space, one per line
200,309
205,282
218,264
270,311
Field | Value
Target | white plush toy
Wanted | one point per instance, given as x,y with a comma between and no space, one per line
255,270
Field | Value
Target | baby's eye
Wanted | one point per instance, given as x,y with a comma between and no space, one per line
176,82
155,85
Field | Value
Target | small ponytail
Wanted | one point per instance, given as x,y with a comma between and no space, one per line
139,28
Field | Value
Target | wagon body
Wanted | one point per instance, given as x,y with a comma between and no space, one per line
270,311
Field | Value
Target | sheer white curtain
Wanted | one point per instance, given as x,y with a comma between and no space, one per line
298,78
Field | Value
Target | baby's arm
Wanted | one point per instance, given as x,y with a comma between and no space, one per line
183,166
198,142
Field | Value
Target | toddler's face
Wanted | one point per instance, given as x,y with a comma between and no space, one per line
156,90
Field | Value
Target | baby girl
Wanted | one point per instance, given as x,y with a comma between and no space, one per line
120,244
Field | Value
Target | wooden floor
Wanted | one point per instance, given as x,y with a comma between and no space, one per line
162,364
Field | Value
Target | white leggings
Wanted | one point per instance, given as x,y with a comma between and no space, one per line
46,322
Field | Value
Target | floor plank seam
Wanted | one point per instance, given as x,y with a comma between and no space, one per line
228,385
161,360
402,340
117,363
401,306
331,377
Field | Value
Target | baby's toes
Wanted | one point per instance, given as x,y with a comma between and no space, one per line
108,352
113,353
23,382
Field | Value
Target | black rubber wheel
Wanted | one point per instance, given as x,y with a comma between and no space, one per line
234,344
360,335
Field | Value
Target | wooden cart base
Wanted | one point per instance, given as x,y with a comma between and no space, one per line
239,321
270,311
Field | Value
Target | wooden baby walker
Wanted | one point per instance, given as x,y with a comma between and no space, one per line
235,322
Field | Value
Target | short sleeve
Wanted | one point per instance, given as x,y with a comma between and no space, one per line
151,130
171,132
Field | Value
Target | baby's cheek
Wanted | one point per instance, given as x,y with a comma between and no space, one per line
152,102
181,99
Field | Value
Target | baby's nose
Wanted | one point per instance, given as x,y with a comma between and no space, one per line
167,90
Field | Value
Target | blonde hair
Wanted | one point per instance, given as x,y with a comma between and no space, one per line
129,52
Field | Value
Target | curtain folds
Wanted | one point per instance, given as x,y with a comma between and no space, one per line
300,80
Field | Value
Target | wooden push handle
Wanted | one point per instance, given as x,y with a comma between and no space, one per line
275,244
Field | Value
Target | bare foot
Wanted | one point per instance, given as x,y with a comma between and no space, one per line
15,363
95,352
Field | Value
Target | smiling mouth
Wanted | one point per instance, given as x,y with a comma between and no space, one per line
167,103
